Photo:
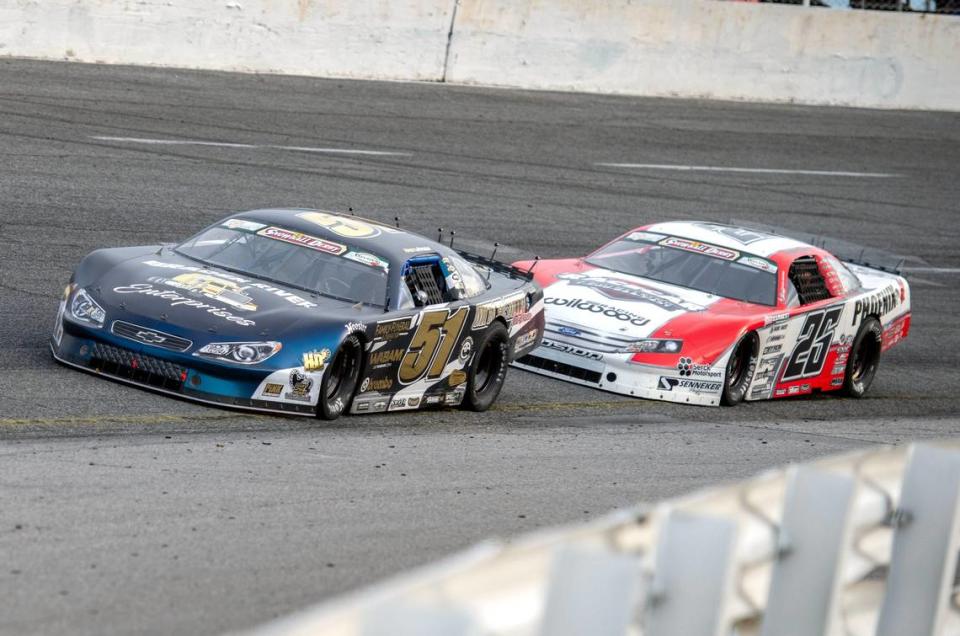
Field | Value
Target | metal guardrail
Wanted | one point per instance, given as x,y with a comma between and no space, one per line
864,543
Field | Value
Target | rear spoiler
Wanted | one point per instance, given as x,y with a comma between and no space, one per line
497,266
844,250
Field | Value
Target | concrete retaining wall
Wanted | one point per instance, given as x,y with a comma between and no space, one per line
384,39
683,48
705,48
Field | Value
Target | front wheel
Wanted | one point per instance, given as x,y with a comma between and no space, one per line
340,380
488,369
740,367
864,359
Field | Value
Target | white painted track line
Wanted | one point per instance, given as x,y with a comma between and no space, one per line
820,173
933,270
225,144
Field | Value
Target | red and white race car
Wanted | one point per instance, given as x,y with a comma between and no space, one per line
708,313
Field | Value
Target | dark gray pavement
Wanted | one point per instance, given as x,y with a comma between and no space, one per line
126,512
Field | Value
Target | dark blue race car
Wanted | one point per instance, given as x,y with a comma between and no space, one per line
304,312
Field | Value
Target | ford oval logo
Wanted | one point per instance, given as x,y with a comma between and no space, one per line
569,331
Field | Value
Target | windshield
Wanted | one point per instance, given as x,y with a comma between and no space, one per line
678,261
292,258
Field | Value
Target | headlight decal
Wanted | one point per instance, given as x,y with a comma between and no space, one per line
85,309
240,352
654,345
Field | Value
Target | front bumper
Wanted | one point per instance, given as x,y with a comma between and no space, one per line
615,373
105,355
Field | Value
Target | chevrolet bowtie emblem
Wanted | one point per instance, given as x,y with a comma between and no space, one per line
150,337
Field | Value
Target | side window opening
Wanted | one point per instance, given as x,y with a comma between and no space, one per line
808,281
425,281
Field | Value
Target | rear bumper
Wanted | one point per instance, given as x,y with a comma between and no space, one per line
616,374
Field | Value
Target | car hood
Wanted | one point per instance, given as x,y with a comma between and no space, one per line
627,307
161,289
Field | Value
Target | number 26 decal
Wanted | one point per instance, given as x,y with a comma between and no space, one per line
432,344
813,344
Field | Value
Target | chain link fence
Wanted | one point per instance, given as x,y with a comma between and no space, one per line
949,7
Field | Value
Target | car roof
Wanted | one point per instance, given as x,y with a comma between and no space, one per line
742,239
394,244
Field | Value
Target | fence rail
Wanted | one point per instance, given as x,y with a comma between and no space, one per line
859,544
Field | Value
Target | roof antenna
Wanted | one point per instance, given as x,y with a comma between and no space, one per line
396,221
452,234
536,259
493,256
439,234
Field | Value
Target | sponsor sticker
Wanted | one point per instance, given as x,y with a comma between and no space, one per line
466,349
366,258
175,300
212,287
525,341
315,360
686,384
700,248
507,307
390,329
599,309
758,263
378,384
243,224
303,240
454,398
687,368
384,357
272,389
879,303
649,237
300,385
620,289
457,378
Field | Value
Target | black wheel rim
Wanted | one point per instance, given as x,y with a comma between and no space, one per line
488,366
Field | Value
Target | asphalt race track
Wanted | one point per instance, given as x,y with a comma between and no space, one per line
126,512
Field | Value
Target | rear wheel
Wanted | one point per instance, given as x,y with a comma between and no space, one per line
864,359
740,367
488,369
340,380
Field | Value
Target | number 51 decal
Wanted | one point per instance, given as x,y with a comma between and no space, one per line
813,344
432,344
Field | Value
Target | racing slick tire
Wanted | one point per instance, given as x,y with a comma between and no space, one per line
488,369
340,380
864,359
740,367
